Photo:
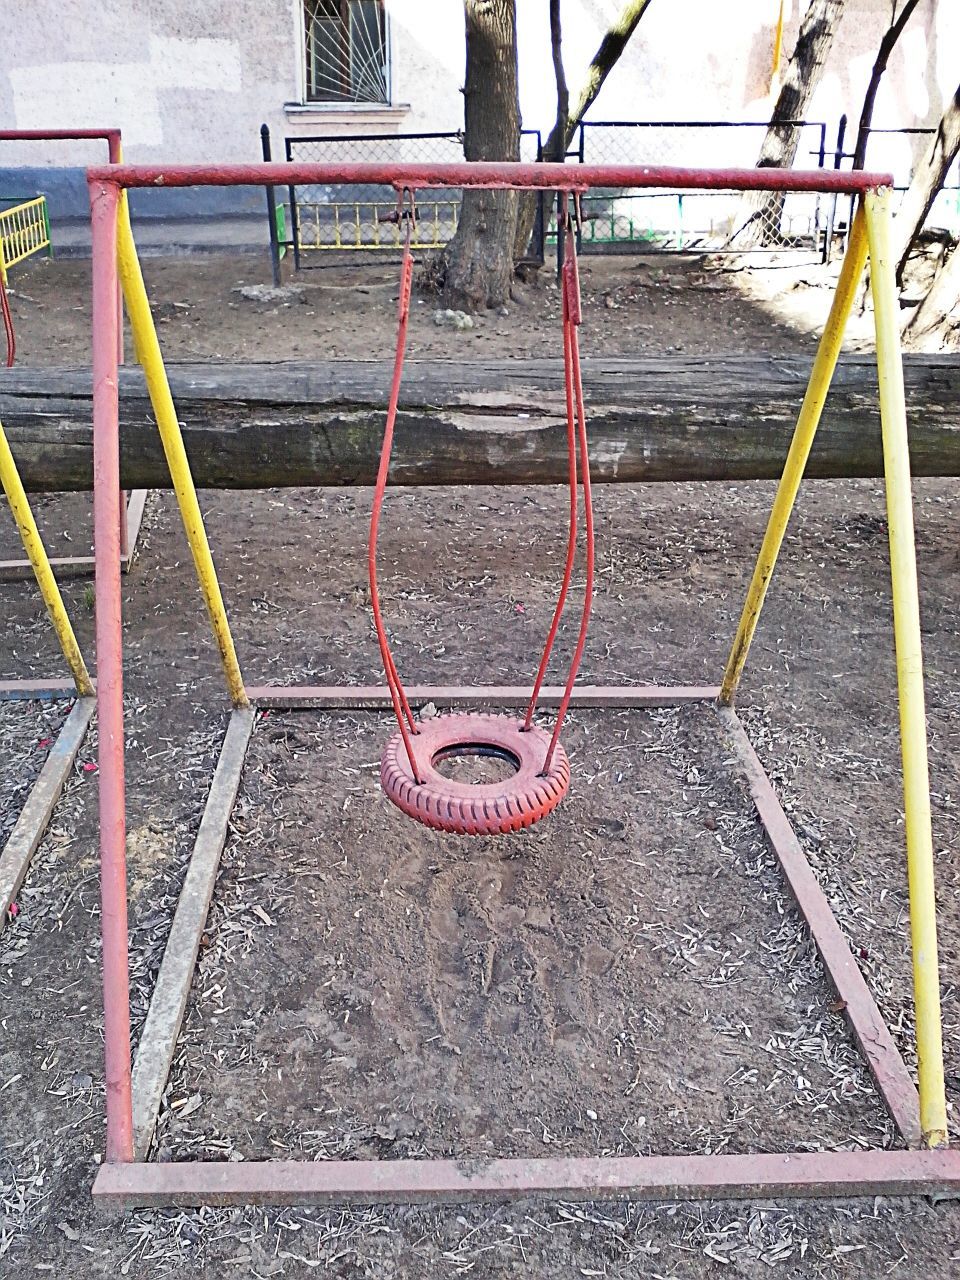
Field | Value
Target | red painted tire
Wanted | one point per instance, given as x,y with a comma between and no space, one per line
484,809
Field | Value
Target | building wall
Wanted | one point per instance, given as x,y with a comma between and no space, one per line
193,82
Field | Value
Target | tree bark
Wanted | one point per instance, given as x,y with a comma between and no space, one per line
942,300
479,258
489,422
892,35
565,125
926,183
762,212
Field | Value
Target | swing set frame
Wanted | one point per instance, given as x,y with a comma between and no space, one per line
134,1090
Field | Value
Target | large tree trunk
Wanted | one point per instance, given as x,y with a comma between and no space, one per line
604,60
760,221
942,301
926,183
891,36
487,422
479,258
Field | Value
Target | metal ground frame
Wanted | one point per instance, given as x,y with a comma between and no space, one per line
81,566
660,1177
831,1174
29,829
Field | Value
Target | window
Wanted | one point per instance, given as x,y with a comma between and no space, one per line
346,50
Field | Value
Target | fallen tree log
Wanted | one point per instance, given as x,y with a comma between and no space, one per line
494,422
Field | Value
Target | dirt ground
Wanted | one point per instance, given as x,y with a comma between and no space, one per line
628,976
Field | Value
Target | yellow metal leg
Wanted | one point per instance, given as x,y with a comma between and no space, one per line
809,419
30,537
906,625
149,355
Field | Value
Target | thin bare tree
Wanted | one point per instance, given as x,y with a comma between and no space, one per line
887,44
565,125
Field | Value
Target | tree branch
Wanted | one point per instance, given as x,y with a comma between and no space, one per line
887,44
556,49
604,60
927,180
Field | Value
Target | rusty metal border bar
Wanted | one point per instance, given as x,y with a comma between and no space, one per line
15,690
377,697
871,1033
660,1177
516,176
29,828
651,1178
168,1004
80,566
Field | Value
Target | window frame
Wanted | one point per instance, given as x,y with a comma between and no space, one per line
346,102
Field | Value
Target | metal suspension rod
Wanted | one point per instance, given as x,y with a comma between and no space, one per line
398,697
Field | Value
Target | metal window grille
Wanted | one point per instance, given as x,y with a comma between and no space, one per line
346,51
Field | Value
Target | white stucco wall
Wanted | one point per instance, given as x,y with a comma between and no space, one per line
193,81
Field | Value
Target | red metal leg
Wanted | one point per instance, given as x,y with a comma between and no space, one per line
8,326
104,197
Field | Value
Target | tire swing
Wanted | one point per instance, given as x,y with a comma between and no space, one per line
541,771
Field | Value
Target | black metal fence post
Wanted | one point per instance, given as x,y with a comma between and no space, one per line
271,207
294,210
832,217
540,223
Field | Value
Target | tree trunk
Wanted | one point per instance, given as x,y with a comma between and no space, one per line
763,211
941,302
479,258
255,426
887,44
926,183
565,125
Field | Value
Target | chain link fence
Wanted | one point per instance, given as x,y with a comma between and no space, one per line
716,221
351,218
319,219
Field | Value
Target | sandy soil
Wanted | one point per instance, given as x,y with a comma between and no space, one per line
627,976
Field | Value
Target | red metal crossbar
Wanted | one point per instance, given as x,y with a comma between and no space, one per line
553,177
110,136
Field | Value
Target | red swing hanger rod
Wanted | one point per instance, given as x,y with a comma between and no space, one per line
491,174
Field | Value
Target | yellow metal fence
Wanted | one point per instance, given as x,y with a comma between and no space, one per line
24,229
372,224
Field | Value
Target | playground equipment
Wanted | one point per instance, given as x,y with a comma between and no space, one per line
25,229
541,776
133,1091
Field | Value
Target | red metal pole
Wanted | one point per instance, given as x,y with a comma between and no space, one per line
115,155
59,135
491,174
104,199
